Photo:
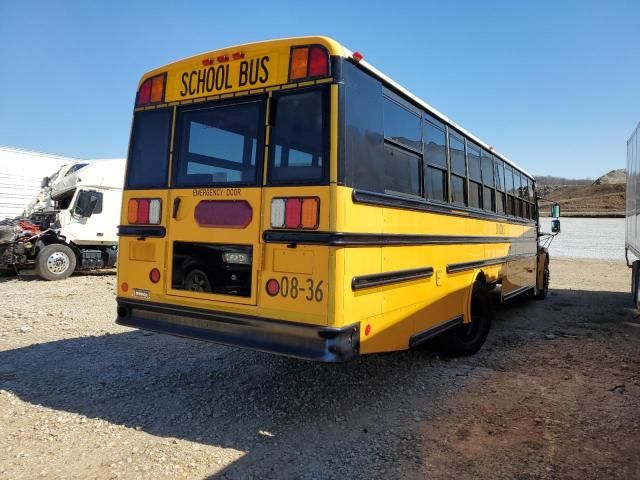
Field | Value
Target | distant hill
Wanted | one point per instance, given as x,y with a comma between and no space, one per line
584,197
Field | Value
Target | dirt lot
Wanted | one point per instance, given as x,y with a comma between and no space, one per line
555,393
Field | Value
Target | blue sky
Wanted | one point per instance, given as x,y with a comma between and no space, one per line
554,85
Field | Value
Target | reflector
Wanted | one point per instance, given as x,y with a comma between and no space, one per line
299,63
154,275
273,287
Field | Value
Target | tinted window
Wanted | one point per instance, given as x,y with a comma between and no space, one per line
402,171
487,168
148,163
456,146
298,138
475,195
517,180
473,157
508,176
400,125
218,145
434,145
499,174
457,189
435,184
500,200
487,198
363,162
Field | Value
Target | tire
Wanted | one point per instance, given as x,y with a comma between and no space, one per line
468,338
55,262
546,276
197,281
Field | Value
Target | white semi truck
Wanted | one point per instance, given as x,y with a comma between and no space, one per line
71,225
632,227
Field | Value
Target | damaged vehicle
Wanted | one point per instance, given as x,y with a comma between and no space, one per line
71,225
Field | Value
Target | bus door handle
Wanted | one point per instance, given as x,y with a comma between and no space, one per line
176,207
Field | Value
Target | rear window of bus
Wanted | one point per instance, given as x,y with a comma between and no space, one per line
219,144
148,163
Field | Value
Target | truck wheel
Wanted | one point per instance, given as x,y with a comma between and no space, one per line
197,281
466,339
55,262
546,276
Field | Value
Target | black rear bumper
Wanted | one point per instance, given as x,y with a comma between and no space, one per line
324,344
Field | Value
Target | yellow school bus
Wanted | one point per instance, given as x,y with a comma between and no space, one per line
288,197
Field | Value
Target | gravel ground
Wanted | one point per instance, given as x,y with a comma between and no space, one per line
587,238
555,393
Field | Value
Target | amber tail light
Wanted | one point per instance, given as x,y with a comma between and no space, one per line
295,212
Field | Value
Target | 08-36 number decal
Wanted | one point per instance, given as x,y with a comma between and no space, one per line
292,287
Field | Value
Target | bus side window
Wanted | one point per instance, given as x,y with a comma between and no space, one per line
458,177
403,146
500,187
435,162
488,191
475,176
510,188
362,165
532,199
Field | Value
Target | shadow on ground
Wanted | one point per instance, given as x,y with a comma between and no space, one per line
274,408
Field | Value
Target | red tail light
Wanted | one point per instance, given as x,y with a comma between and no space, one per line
308,62
318,62
295,212
144,211
152,90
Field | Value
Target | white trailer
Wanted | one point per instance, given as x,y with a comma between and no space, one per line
632,228
21,175
71,225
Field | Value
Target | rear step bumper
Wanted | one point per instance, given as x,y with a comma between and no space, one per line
324,344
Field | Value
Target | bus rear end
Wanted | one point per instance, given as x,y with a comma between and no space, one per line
230,164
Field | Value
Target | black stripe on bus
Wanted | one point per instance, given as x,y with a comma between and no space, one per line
431,332
463,266
340,239
141,231
385,200
387,278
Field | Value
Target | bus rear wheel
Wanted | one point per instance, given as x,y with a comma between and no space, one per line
468,338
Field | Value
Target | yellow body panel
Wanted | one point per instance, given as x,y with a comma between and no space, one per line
322,274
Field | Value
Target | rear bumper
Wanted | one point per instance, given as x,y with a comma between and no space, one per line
324,344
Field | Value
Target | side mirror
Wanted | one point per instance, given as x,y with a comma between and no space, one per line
555,211
555,226
93,203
